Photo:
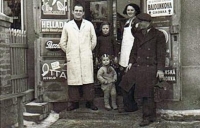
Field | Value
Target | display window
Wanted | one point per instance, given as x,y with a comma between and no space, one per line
13,9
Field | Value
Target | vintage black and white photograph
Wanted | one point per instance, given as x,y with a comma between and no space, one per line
99,64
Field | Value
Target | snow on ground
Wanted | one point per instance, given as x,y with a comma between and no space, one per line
53,117
180,112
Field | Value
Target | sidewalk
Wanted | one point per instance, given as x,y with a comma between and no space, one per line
85,118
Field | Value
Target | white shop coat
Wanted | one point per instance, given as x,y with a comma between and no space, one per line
78,45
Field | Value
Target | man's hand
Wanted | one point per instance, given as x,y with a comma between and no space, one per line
96,61
128,67
105,82
160,75
115,60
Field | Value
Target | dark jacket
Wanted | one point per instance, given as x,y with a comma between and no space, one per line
147,57
106,45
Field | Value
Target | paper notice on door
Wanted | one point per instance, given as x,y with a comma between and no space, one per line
55,65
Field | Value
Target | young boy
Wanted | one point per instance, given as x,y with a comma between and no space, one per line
107,77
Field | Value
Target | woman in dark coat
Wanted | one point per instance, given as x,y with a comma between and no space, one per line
148,62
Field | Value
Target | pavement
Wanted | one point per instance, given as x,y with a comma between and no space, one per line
86,118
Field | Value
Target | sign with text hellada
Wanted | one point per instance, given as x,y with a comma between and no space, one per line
50,47
52,25
160,7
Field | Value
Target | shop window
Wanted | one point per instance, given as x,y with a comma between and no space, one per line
12,8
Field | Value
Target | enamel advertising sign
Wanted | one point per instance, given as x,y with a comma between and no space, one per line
50,47
54,7
160,7
52,25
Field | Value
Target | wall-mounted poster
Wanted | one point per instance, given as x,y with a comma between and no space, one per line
99,11
56,8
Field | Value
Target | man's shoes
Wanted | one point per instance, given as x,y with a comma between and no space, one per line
120,110
132,109
73,106
145,122
91,105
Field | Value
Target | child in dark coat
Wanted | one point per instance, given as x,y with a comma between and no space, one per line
106,44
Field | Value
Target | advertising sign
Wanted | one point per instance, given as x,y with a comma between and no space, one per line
164,21
160,7
170,75
52,25
50,47
54,8
55,91
53,70
98,11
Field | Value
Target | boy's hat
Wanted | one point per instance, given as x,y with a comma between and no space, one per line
144,17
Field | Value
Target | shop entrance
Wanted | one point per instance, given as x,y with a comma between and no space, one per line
50,83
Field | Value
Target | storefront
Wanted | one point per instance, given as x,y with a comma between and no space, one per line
43,20
48,25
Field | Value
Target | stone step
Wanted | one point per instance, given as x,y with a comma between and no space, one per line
35,117
37,111
41,108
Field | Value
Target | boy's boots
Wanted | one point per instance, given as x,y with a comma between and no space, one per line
114,105
106,103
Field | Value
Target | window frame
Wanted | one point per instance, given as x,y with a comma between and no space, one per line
22,13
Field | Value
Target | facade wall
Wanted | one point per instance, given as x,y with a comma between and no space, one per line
30,40
190,58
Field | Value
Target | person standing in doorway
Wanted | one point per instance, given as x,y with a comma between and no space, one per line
78,39
106,44
131,10
147,63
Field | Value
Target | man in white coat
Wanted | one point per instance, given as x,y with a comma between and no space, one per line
78,39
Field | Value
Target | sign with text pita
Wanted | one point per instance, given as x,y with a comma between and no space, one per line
160,7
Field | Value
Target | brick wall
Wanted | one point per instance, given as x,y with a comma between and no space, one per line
8,108
5,86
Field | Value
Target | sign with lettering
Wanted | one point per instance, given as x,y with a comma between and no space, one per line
50,47
160,7
53,70
54,7
170,75
163,21
52,25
